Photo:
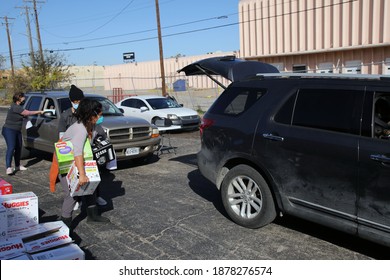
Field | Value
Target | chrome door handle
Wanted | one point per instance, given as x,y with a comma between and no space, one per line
381,158
273,137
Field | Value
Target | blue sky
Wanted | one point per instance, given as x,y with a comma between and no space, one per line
97,31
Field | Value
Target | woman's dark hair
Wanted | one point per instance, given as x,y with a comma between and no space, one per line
87,109
17,96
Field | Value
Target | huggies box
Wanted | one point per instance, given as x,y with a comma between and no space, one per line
92,172
22,210
65,156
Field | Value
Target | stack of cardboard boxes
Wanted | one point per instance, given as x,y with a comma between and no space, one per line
22,237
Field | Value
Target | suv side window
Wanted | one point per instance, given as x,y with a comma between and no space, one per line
235,101
34,103
329,109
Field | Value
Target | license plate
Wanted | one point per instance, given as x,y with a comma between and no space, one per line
132,151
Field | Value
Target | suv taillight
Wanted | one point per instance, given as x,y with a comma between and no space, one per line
205,123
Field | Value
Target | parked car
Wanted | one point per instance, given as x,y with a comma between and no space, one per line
308,145
131,137
154,107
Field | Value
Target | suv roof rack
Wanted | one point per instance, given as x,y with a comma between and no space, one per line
324,75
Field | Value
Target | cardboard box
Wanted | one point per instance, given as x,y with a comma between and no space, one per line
5,187
29,233
22,210
65,156
52,240
92,172
11,248
3,222
23,257
68,252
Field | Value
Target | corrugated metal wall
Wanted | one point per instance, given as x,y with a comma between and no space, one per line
349,36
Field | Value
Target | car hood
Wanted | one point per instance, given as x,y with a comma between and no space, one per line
228,67
114,122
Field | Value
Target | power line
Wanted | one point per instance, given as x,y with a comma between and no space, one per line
110,20
190,31
142,31
210,28
155,37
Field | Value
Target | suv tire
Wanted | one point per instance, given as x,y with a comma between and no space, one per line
247,198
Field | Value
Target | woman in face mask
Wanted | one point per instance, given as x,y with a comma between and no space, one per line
68,117
84,128
12,132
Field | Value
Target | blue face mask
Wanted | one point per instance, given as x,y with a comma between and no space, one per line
100,120
75,106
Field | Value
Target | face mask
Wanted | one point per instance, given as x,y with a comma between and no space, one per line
22,103
100,120
75,106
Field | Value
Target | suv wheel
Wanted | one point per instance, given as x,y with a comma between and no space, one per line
247,198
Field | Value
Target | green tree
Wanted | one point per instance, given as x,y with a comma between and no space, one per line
46,74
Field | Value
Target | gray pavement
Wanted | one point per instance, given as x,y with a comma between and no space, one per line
165,210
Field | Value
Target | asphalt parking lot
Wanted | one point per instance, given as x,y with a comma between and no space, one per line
165,210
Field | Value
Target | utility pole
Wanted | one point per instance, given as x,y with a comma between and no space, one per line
30,42
9,46
37,29
164,90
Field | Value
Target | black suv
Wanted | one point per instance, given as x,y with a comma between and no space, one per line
310,145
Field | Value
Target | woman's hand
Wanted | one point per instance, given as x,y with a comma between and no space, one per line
79,162
83,179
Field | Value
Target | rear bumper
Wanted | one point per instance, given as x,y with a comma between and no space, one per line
207,167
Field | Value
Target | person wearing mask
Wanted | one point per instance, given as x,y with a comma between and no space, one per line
12,132
68,116
87,114
66,120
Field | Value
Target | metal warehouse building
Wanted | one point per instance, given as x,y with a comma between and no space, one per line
339,36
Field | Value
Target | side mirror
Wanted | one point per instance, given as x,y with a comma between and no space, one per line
144,108
49,114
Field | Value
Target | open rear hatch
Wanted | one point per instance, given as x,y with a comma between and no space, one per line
228,67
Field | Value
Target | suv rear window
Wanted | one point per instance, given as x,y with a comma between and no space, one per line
235,101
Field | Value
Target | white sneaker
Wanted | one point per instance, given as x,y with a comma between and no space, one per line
100,201
10,171
21,168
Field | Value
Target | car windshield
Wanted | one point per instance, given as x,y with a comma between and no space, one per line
109,109
162,103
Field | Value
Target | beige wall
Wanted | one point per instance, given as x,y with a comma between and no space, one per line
317,33
146,75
